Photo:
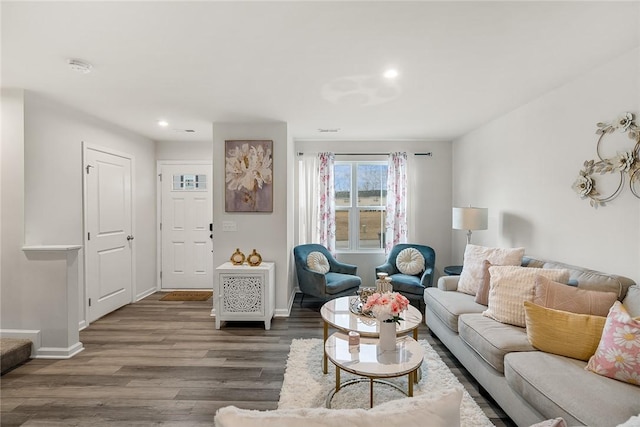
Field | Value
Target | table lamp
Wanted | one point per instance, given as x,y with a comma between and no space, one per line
469,219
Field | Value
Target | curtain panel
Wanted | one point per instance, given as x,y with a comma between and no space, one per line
326,220
307,202
316,200
396,219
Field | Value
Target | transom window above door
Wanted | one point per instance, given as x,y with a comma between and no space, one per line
188,182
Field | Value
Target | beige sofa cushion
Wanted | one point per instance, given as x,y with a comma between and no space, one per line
474,256
492,340
511,287
558,386
585,278
448,305
443,411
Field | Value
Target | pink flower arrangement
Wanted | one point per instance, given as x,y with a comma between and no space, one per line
386,307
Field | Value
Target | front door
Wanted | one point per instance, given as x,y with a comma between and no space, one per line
186,215
108,238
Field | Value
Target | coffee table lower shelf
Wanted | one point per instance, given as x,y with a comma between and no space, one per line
333,392
373,364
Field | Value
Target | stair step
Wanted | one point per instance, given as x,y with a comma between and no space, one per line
14,352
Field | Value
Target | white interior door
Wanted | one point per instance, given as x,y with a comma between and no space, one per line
186,214
109,238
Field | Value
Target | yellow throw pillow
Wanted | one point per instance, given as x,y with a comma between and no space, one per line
562,332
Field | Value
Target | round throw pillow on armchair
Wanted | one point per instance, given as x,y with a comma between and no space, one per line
316,261
410,261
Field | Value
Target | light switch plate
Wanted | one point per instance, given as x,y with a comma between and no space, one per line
229,226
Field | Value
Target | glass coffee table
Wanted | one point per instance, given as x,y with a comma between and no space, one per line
369,361
339,314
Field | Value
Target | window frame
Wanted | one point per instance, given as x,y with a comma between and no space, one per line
354,209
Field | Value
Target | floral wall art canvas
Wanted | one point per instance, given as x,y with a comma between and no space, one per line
249,176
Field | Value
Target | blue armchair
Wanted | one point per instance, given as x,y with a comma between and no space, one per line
340,280
410,286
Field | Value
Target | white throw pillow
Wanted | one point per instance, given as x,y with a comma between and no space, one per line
474,256
442,411
510,287
410,261
632,301
316,261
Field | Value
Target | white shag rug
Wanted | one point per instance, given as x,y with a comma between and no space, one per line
305,386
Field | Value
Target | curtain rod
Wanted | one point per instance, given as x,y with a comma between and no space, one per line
429,154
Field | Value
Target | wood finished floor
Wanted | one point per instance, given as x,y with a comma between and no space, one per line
164,363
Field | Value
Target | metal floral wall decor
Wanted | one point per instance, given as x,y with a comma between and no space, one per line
625,163
248,176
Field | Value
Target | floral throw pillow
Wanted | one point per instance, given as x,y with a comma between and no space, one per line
618,354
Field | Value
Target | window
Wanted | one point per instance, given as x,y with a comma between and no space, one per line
189,182
360,196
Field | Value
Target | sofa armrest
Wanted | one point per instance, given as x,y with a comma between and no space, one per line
448,283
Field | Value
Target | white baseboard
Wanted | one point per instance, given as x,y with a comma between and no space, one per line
59,352
287,311
145,294
82,325
28,334
39,352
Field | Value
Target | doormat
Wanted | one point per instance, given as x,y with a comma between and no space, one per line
187,296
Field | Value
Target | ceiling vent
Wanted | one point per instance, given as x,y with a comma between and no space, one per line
79,66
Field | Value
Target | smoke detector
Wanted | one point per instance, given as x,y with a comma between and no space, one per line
79,66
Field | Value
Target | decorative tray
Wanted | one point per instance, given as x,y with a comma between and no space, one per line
356,308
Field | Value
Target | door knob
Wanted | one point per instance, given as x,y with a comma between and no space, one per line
129,237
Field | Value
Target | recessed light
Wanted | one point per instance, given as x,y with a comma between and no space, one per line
163,123
79,66
391,73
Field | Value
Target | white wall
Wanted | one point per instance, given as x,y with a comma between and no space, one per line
266,232
522,165
12,194
54,135
429,195
36,288
42,168
172,150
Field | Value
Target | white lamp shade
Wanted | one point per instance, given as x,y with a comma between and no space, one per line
470,218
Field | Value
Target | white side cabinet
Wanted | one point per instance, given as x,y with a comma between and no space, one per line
242,292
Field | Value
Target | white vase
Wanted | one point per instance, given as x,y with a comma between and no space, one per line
387,336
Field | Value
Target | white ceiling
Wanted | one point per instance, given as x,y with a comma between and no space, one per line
310,64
